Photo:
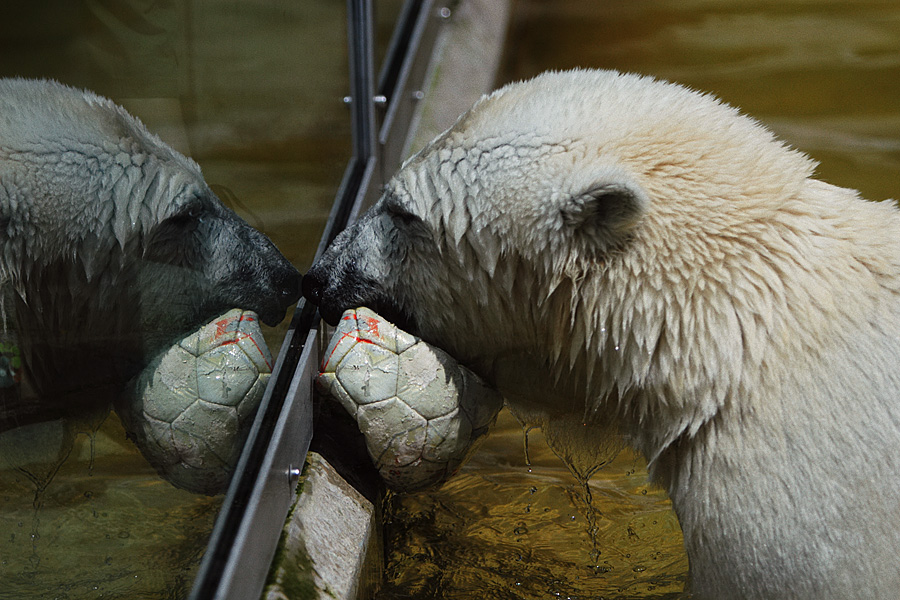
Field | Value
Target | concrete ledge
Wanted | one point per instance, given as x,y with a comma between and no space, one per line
330,544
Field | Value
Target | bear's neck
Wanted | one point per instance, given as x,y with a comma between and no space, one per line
660,348
75,354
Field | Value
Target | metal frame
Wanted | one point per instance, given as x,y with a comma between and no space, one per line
249,524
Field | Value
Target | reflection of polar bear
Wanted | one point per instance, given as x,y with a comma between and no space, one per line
114,243
685,280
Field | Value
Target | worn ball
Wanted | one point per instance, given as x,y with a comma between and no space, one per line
420,411
193,405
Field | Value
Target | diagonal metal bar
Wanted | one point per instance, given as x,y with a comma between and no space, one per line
249,524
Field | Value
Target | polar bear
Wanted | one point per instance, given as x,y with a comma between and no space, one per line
677,275
112,245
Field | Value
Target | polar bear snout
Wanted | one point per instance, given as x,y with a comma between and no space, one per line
335,291
336,284
313,288
286,281
278,282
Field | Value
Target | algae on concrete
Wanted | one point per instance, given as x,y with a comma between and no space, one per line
327,541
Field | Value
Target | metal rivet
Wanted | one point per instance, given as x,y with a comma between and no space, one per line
418,95
293,475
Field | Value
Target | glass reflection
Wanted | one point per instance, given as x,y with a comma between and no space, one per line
252,93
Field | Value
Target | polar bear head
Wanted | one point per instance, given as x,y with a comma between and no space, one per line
528,224
112,242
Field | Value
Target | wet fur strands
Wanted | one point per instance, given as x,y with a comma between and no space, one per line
627,253
113,244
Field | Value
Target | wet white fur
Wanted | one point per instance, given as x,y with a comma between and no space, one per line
124,176
112,241
735,319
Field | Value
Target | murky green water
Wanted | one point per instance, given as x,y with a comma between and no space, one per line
826,77
506,529
93,520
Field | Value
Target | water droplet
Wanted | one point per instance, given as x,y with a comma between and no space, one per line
525,430
92,438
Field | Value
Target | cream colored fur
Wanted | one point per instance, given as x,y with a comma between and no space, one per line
673,273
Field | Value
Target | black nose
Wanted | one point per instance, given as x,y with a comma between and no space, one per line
285,291
312,288
288,284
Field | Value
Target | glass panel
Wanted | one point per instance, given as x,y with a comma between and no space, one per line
251,91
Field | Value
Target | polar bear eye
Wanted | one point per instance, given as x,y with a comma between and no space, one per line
175,240
401,214
406,217
188,215
175,231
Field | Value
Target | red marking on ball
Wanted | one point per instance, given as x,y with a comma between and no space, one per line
223,327
371,326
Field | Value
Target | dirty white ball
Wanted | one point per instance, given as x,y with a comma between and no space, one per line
194,403
420,411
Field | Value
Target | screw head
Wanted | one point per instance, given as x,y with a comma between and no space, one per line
293,474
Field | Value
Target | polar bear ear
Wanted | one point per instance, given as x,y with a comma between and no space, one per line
605,203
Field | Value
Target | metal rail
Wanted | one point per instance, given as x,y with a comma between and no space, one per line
249,524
